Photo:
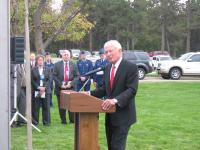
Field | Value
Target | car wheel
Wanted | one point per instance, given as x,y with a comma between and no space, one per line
141,73
175,73
165,76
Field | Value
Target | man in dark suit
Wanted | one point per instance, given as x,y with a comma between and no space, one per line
40,81
120,88
21,93
64,75
49,64
32,60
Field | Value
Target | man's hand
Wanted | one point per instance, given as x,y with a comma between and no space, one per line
63,87
82,78
42,89
85,92
68,86
107,104
95,84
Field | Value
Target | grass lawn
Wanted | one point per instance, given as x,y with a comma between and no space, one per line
168,118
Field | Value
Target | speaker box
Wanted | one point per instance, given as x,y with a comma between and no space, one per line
17,50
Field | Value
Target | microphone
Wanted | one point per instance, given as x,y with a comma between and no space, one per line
94,71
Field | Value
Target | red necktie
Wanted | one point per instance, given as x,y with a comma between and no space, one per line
112,76
66,78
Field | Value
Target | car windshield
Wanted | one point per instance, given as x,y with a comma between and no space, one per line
87,53
185,56
142,55
75,51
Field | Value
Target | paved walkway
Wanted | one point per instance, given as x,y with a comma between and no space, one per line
160,79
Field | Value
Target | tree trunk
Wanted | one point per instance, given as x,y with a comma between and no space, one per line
108,36
127,39
90,40
132,39
163,37
188,41
168,46
38,26
167,43
39,43
117,33
14,18
58,31
28,79
188,26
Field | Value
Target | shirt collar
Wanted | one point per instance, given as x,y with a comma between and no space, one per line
118,63
40,67
64,62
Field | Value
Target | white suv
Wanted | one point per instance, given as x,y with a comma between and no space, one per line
158,58
187,64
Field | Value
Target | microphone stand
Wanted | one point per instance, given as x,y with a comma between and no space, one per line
84,84
90,73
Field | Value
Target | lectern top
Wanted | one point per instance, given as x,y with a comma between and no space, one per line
81,102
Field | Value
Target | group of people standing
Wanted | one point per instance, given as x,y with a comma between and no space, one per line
117,84
67,75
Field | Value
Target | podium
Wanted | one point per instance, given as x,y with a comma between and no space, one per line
86,109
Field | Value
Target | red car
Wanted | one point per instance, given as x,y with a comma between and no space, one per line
154,53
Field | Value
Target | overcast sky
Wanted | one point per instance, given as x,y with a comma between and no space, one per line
56,4
60,1
183,1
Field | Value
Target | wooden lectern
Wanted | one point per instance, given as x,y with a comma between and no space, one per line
86,110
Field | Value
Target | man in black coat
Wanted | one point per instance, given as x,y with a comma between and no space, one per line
65,77
120,88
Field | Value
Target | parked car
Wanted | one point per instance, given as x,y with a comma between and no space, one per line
95,53
75,53
158,58
88,53
91,57
187,65
141,59
155,53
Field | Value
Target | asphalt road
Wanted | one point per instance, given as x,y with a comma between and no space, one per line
160,79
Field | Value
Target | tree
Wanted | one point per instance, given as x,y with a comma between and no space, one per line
47,25
193,23
166,17
113,20
68,12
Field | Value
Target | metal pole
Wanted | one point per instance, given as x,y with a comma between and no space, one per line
28,79
15,86
5,74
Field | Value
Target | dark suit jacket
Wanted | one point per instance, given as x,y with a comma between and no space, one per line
124,90
35,79
58,74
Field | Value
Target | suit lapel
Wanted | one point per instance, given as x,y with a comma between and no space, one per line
107,76
62,70
70,70
117,75
37,72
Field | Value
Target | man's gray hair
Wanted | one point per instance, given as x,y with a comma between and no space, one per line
114,43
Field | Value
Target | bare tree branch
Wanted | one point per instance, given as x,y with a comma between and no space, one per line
60,30
67,5
37,24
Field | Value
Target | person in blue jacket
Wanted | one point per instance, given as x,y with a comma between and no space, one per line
49,64
102,62
83,66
